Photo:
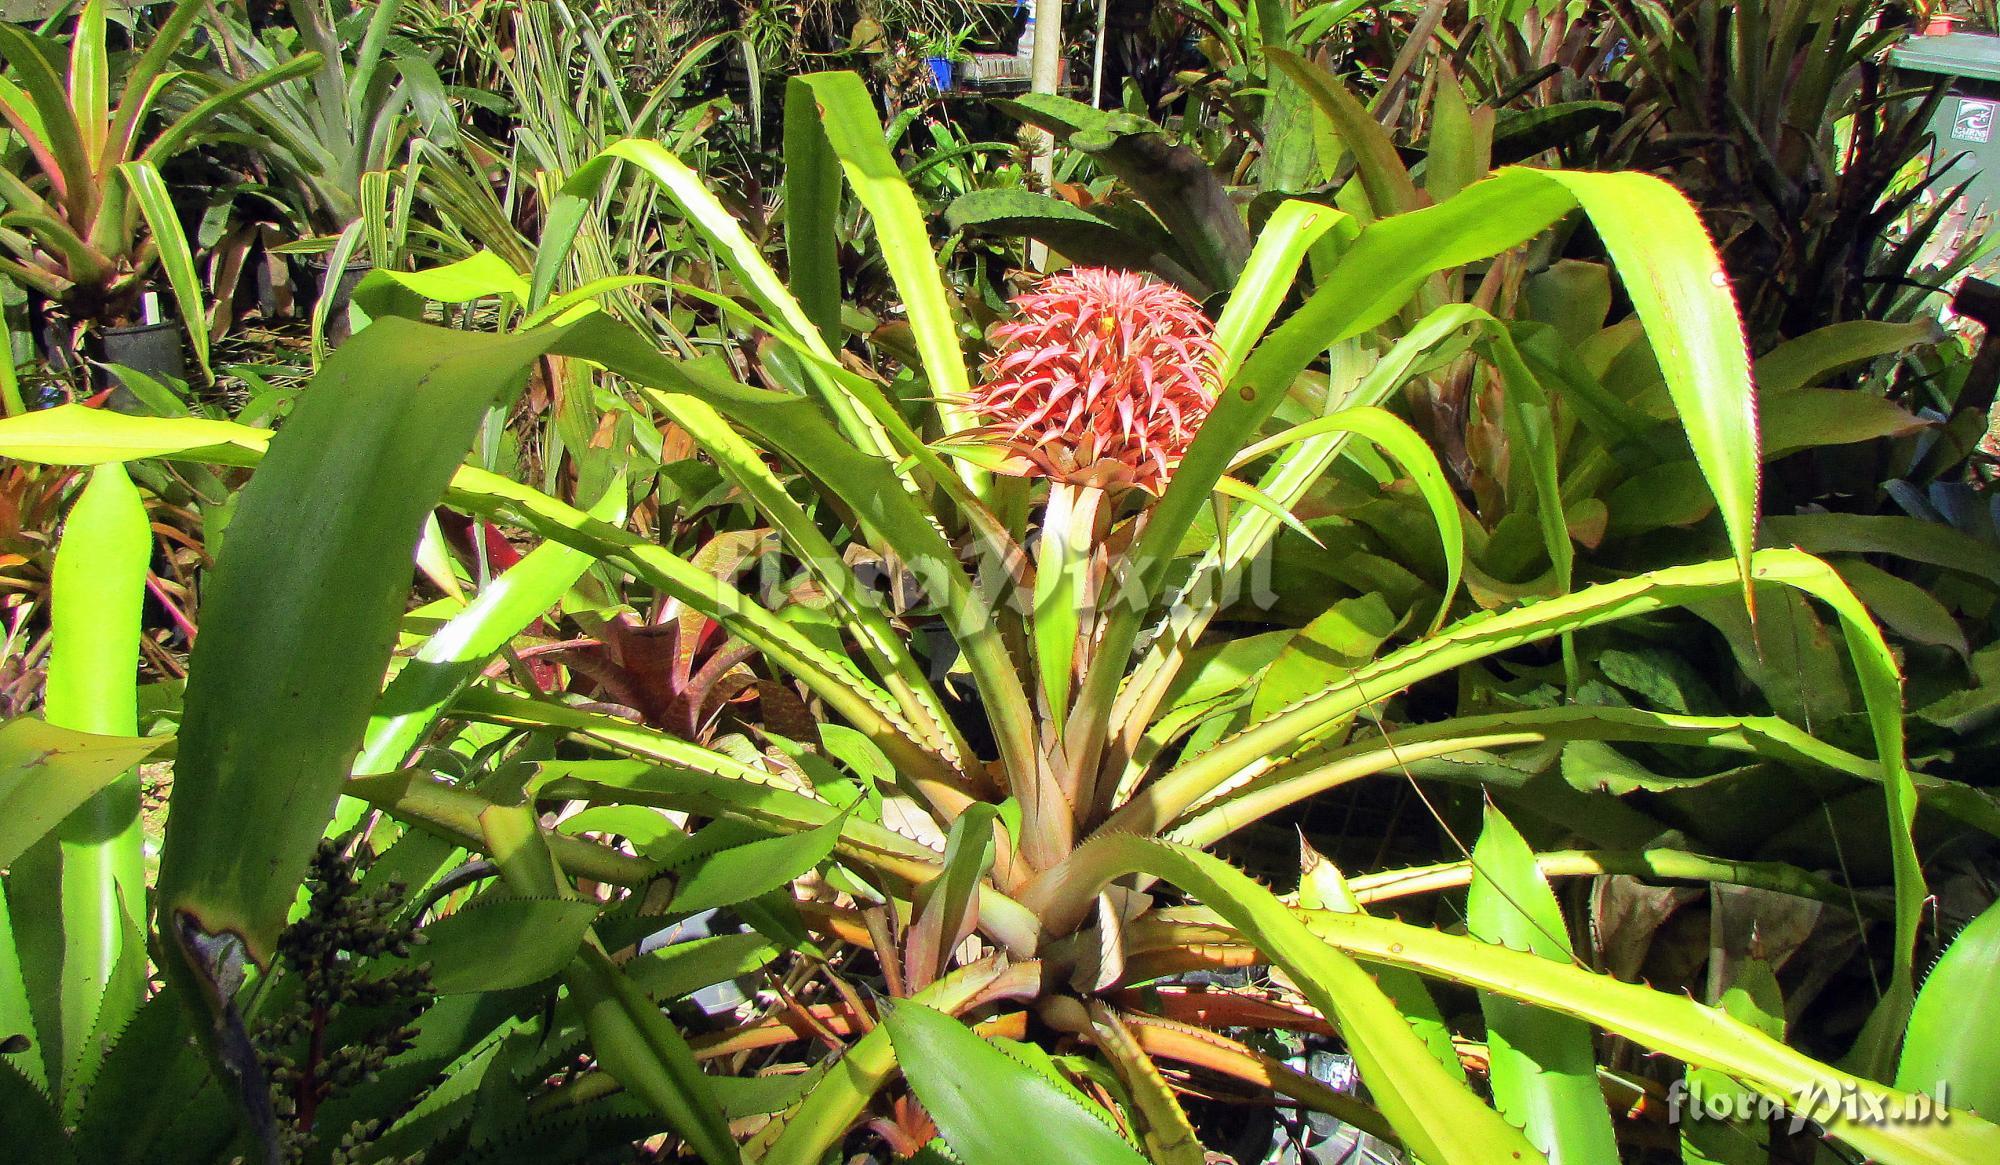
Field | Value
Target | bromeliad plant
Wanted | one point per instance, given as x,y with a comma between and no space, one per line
92,218
355,92
1073,543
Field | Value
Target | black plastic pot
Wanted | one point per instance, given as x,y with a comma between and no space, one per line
319,276
152,349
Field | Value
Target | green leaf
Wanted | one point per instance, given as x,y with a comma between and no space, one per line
946,908
150,191
17,1009
1874,665
1544,1065
301,614
99,591
75,434
168,1103
497,944
847,115
1677,286
1673,494
1948,1051
85,944
1342,638
89,77
59,149
1176,184
1322,887
1811,417
1268,275
810,1131
1063,558
1404,444
34,1125
991,1109
1676,1026
742,872
453,656
633,1039
1374,278
1440,1120
812,210
1809,359
1071,231
1903,607
1381,171
481,275
47,772
1754,999
732,245
684,968
1911,538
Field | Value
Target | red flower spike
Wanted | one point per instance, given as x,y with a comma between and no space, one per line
1101,379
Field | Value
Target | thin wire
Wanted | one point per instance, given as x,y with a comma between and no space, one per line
1368,707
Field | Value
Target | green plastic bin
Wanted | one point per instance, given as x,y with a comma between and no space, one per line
1967,122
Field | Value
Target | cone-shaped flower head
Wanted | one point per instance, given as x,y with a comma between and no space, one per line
1101,379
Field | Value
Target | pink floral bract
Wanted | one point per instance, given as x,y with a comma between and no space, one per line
1102,378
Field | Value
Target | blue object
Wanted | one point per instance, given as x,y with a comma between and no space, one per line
940,72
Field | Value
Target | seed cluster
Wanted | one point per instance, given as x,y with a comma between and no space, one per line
337,1028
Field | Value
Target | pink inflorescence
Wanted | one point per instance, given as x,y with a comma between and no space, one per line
1102,378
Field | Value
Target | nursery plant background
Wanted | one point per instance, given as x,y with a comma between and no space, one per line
790,583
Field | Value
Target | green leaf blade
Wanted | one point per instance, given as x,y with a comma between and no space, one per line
991,1109
302,612
1544,1065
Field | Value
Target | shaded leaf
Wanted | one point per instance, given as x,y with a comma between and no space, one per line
499,943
